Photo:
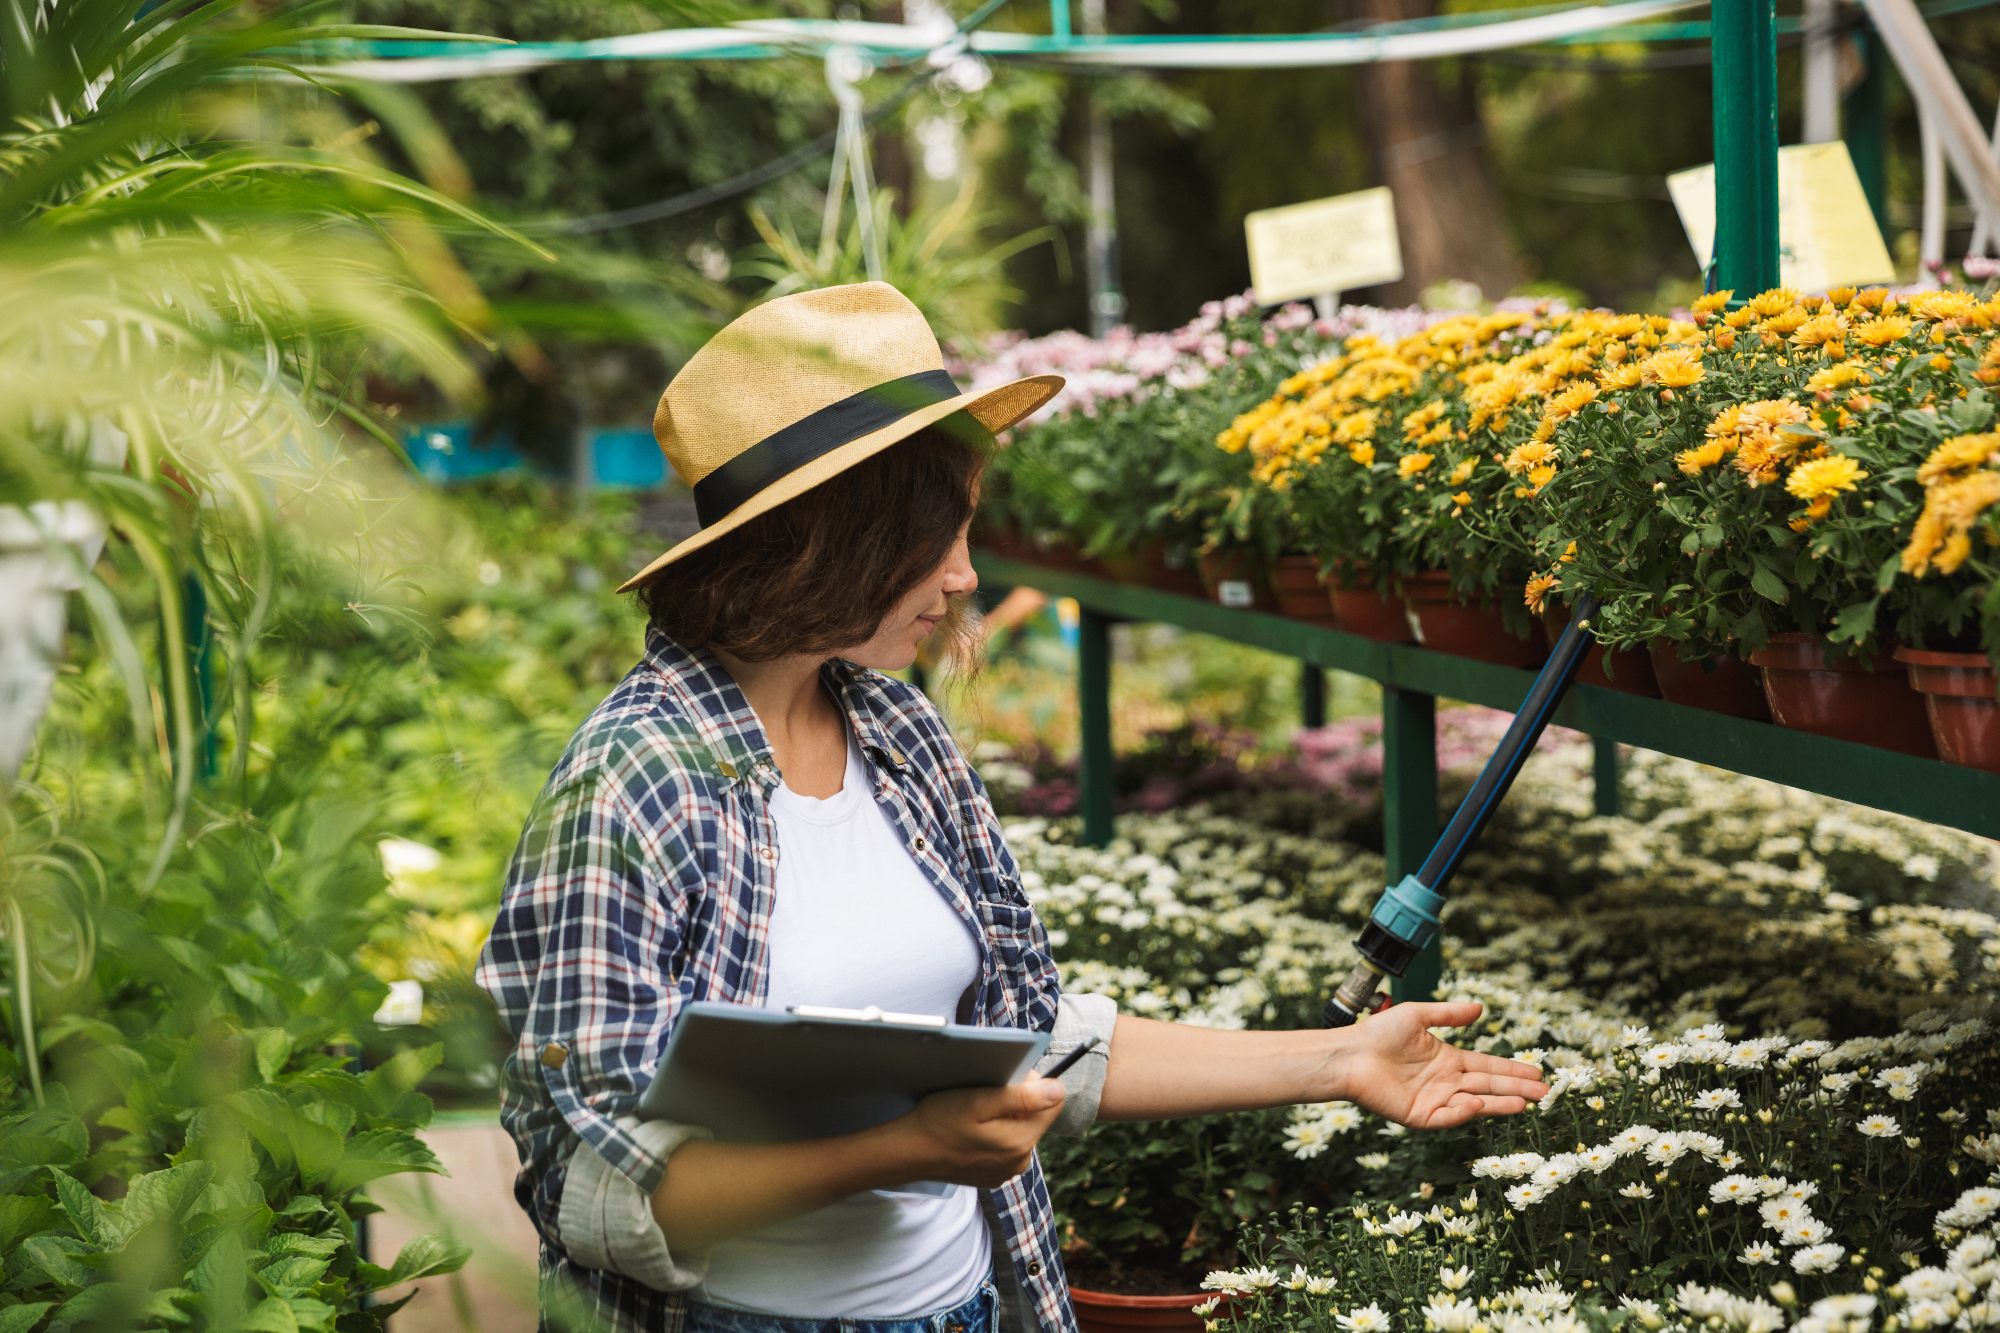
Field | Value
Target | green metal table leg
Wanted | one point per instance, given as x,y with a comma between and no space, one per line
1093,713
1604,775
1745,50
1864,121
1410,811
1312,695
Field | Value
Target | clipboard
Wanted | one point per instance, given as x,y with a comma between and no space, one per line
754,1075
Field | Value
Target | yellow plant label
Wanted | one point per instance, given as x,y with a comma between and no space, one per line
1827,236
1326,245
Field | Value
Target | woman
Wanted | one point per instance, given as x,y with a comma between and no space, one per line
758,815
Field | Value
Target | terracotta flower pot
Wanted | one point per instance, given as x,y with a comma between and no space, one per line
1103,1312
1233,578
1364,611
1719,683
1162,573
1958,696
1451,626
1633,669
1299,592
1845,700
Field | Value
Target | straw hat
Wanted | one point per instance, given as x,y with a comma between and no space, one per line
802,388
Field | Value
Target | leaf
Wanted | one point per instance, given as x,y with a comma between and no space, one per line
1885,577
381,1152
21,1318
274,1047
1854,623
57,1256
1751,631
24,1215
1768,584
270,1315
425,1256
101,1303
37,1150
394,1082
90,1218
293,1275
166,1304
1690,543
165,1196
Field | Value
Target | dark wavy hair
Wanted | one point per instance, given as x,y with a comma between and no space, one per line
819,572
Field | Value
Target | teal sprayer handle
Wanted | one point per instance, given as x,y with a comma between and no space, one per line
1407,916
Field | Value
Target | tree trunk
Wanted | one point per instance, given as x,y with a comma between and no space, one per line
1429,148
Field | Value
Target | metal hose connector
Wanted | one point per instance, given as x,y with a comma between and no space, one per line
1354,996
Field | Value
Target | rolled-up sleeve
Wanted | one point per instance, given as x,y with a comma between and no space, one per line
607,1222
1078,1019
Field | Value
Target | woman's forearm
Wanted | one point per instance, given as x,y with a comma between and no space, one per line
717,1191
1162,1070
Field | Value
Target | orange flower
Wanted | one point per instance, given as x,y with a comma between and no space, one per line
1411,464
1711,302
1533,454
1778,299
1676,368
1702,456
1882,332
1537,589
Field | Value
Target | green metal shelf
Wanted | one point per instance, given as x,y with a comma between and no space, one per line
1926,789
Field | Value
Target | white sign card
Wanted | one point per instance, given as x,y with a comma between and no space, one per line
1827,235
1326,245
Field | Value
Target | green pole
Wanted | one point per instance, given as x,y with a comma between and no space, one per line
1059,20
1093,715
1745,65
1410,812
1312,695
198,641
1864,124
1604,775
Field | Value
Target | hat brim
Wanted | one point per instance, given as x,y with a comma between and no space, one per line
996,409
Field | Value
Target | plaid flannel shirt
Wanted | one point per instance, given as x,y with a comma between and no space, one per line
644,881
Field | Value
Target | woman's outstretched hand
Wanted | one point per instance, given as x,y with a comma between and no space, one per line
1396,1068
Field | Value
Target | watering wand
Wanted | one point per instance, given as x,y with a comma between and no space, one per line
1407,916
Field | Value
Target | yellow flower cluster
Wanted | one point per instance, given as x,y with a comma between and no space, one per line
1961,480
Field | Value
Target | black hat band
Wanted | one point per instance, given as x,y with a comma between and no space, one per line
778,455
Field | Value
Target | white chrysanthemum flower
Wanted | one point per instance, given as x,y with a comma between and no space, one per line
1258,1279
1454,1279
1364,1319
1448,1314
1901,1081
1319,1286
1598,1160
1372,1161
1636,1138
1664,1056
1224,1279
1930,1284
1718,1099
1970,1253
1734,1189
1637,1190
1461,1228
1781,1212
1769,1185
1558,1170
1760,1252
1837,1084
1525,1195
1801,1190
1666,1149
1635,1034
1709,1032
1804,1231
1402,1224
1880,1127
1928,1314
1748,1055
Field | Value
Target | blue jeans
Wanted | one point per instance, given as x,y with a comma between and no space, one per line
978,1314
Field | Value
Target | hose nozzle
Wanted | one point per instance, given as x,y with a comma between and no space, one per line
1357,995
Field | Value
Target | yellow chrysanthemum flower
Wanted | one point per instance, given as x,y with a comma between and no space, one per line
1533,454
1625,376
1675,368
1363,453
1537,589
1819,330
1942,538
1836,377
1702,456
1956,455
1463,472
1712,302
1943,305
1462,499
1411,464
1766,304
1881,332
1542,475
1818,477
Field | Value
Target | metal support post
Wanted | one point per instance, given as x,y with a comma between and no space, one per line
1107,295
1410,811
1605,776
1093,715
1745,65
1312,695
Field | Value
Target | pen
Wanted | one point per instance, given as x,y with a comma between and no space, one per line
1062,1065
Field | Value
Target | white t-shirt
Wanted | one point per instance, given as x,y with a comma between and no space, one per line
856,923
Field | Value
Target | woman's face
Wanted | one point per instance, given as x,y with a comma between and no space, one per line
910,621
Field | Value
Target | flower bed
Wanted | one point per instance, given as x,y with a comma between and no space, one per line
1725,911
1821,467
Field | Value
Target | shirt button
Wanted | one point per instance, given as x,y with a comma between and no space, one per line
766,854
896,758
921,844
728,769
1034,1268
553,1055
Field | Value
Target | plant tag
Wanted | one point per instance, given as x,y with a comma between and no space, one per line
1236,594
1326,245
1416,626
